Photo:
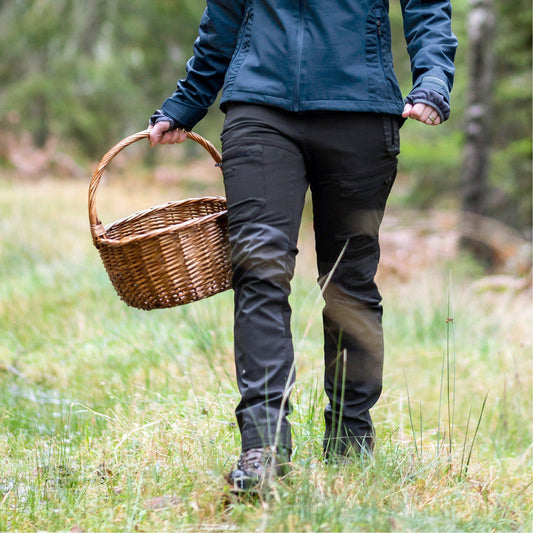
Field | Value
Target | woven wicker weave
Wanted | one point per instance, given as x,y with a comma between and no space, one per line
170,254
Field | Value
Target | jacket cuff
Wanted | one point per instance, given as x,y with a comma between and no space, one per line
183,114
159,116
429,97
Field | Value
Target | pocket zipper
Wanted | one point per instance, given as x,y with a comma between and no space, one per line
380,36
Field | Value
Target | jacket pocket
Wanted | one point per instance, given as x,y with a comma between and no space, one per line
378,54
242,46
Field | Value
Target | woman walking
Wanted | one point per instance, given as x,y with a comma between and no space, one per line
311,100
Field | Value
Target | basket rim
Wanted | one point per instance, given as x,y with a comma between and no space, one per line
102,239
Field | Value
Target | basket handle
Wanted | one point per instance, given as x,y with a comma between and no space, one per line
97,228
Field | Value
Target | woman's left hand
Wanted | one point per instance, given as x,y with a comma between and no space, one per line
423,113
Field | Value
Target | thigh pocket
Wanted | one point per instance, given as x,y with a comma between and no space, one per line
362,201
244,182
368,191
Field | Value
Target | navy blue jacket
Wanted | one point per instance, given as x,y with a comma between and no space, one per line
304,55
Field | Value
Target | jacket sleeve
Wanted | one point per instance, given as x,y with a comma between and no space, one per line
213,50
431,44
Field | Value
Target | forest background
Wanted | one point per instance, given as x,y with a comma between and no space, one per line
89,73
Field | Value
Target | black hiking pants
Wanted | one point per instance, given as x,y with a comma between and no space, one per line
270,158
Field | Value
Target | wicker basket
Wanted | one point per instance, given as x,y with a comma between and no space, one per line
168,255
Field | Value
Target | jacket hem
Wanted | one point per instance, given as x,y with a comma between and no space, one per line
364,106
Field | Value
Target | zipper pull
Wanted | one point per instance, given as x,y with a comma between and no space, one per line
379,26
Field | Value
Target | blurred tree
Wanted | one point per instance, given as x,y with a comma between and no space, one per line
510,195
433,159
499,186
475,169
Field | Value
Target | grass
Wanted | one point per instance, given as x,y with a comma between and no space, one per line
114,419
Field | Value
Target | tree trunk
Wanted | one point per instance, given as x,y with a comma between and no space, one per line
475,169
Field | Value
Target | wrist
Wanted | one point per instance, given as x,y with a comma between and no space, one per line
430,97
159,116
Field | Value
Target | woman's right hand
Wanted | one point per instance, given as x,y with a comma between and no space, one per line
160,134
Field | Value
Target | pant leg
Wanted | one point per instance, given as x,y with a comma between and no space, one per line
265,185
354,167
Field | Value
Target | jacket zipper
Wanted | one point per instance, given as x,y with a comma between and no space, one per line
296,101
380,34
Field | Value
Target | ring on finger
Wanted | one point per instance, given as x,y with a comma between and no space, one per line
432,118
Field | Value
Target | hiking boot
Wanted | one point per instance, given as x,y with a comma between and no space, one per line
257,468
